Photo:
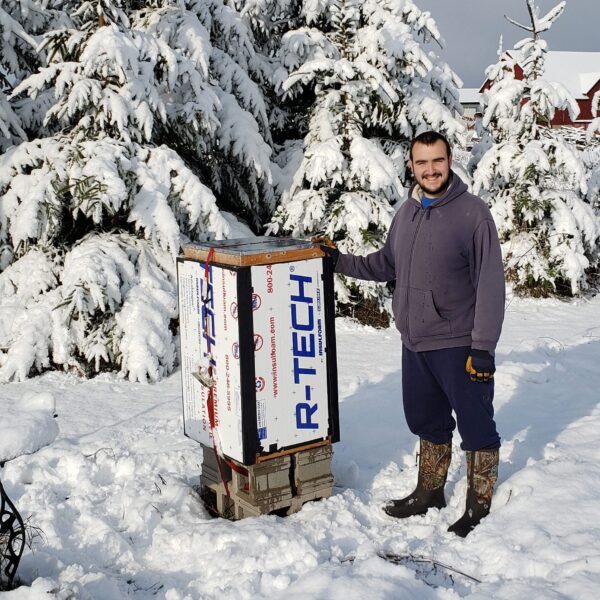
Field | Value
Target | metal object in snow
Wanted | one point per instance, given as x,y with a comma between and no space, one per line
12,540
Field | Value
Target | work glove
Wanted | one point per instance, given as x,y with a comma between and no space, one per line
327,247
480,365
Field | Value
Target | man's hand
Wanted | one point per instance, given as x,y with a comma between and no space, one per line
327,247
480,365
323,240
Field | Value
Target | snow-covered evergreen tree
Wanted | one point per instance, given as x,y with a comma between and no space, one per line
149,123
16,48
22,25
592,158
269,21
533,180
594,126
10,125
372,87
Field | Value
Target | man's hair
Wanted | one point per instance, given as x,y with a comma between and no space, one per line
429,138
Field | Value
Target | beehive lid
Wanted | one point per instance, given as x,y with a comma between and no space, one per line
243,252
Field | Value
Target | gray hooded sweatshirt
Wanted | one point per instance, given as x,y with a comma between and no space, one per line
447,264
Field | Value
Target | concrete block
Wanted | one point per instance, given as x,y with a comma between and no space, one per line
281,483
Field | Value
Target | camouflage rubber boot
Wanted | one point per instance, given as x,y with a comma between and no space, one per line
482,474
434,460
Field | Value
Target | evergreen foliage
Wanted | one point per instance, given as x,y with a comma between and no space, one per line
129,127
371,87
534,180
146,121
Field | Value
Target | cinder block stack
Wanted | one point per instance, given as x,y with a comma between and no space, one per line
281,484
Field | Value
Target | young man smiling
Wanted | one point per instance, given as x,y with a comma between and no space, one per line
443,252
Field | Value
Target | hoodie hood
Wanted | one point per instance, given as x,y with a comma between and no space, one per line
456,188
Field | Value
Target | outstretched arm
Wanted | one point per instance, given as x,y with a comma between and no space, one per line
373,267
377,266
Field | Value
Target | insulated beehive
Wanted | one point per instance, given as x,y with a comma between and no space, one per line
260,312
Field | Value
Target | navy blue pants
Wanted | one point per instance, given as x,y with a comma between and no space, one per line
435,383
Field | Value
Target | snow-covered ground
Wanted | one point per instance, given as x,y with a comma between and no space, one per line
112,489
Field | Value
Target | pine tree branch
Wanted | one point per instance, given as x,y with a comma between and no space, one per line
518,24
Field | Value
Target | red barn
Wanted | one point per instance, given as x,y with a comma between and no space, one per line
579,72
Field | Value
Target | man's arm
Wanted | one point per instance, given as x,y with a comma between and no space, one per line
487,274
373,267
377,266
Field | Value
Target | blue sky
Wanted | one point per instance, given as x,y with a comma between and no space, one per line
472,28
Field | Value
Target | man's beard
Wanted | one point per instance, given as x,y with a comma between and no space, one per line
434,190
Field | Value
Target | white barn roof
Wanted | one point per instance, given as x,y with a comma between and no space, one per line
577,71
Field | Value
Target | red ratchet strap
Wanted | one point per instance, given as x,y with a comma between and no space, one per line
210,401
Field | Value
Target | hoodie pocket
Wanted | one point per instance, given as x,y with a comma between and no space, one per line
424,320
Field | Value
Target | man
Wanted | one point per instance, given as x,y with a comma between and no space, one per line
443,252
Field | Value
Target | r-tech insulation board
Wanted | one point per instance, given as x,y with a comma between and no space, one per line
262,313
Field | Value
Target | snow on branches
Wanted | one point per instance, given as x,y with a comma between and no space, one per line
51,186
533,179
147,120
109,300
158,76
11,131
51,190
374,88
